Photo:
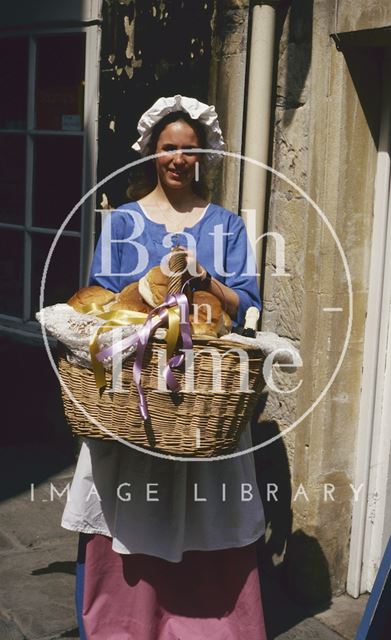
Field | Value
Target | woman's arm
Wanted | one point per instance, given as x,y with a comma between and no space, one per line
240,263
227,296
240,290
116,259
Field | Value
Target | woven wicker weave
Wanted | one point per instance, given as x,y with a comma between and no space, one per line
197,423
201,423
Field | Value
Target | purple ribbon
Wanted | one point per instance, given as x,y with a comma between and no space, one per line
141,338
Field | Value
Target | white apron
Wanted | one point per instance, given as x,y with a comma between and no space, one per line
161,507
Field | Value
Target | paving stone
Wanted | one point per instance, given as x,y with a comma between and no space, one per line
344,615
10,631
31,463
308,629
41,600
6,543
35,523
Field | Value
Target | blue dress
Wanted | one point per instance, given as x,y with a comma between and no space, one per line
134,244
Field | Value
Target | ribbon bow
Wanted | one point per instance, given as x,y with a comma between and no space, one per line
175,311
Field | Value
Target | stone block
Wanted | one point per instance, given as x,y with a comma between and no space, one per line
344,615
10,631
36,523
5,543
366,15
41,601
309,629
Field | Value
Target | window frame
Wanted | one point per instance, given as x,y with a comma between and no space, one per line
24,326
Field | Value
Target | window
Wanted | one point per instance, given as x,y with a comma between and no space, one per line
43,171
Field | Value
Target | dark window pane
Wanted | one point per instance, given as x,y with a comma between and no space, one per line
11,272
57,180
63,272
13,82
12,177
60,82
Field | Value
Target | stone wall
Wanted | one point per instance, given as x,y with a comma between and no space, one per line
325,133
226,89
143,59
362,14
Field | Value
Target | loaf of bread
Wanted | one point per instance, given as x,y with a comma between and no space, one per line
207,317
130,299
153,286
90,295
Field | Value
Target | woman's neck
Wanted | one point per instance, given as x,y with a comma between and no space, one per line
179,199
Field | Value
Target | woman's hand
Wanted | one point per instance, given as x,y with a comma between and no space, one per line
228,297
193,266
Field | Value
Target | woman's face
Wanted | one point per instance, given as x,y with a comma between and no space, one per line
175,169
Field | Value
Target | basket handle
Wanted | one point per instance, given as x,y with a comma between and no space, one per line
177,265
176,284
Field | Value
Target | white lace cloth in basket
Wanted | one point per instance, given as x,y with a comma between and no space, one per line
74,329
284,352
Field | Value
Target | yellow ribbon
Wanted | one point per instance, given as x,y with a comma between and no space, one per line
113,319
172,334
119,318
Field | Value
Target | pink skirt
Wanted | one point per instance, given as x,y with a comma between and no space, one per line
213,595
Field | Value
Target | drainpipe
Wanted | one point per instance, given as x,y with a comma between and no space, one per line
257,119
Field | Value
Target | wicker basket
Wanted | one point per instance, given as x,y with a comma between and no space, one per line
197,423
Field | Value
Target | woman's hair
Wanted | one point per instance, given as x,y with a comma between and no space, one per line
176,116
144,179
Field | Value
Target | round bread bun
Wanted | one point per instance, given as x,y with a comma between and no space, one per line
208,317
89,295
227,321
129,299
153,286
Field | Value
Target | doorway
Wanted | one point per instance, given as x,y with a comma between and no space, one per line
371,524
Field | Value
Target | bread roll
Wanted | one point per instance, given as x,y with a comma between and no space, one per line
227,322
153,286
129,299
89,295
207,317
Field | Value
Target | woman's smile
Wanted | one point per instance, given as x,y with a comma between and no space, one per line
176,169
175,173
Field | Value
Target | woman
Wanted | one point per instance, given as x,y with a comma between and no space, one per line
167,548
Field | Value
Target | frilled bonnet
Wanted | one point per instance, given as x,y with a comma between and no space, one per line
206,114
